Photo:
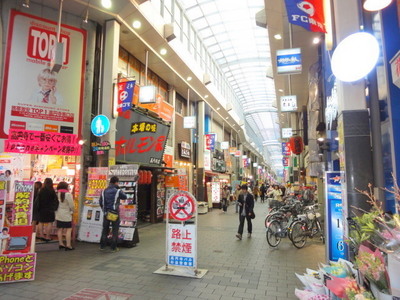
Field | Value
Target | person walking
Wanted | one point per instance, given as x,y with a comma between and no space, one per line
246,206
64,216
256,192
226,193
236,195
263,191
46,208
109,202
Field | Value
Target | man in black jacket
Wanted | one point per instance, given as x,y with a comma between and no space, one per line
109,201
246,206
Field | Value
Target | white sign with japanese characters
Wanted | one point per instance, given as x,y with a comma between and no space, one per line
288,103
181,245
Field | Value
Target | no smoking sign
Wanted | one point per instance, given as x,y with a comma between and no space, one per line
182,206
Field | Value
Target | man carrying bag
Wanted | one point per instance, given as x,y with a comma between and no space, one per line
109,203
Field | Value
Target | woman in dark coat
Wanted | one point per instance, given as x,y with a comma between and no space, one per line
35,214
47,205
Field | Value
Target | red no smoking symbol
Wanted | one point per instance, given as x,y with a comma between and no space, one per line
182,206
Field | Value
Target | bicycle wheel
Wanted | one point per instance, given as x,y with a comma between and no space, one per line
270,217
319,230
273,233
298,234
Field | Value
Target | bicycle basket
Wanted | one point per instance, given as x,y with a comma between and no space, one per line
311,215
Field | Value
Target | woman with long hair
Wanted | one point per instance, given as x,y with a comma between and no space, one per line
64,216
35,214
47,205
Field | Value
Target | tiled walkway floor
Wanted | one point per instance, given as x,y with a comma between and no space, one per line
247,269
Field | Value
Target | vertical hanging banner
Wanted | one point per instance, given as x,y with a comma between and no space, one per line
126,91
210,140
286,149
334,217
307,14
35,96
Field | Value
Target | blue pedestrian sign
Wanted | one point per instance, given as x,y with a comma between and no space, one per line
100,125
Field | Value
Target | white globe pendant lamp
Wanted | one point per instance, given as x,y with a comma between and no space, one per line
355,57
375,5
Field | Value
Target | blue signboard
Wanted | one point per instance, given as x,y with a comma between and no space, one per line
337,248
288,61
100,125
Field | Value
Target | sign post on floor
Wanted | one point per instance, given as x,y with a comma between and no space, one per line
181,237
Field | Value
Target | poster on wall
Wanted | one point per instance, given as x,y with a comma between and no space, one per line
23,202
34,97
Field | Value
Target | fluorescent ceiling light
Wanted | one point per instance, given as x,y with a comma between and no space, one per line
163,51
277,36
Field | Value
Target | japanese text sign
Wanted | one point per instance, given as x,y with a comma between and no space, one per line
288,103
17,267
22,206
42,142
125,95
97,181
140,138
181,245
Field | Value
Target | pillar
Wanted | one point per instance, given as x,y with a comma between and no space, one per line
200,190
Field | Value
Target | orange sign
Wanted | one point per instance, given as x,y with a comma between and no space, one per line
163,109
172,181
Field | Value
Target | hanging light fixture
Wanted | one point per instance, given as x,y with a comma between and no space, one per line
85,20
26,3
375,5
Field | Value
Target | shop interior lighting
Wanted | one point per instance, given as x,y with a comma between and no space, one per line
320,139
106,3
26,3
355,57
136,24
375,5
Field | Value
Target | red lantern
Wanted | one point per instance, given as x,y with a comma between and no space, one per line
149,176
140,172
296,144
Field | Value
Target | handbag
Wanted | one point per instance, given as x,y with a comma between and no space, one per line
112,215
252,215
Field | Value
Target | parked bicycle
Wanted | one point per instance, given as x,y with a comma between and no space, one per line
307,226
278,224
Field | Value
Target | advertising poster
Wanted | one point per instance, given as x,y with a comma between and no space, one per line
34,97
181,245
2,203
91,223
216,192
23,202
97,181
334,216
17,267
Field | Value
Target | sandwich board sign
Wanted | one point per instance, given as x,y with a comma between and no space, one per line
181,237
